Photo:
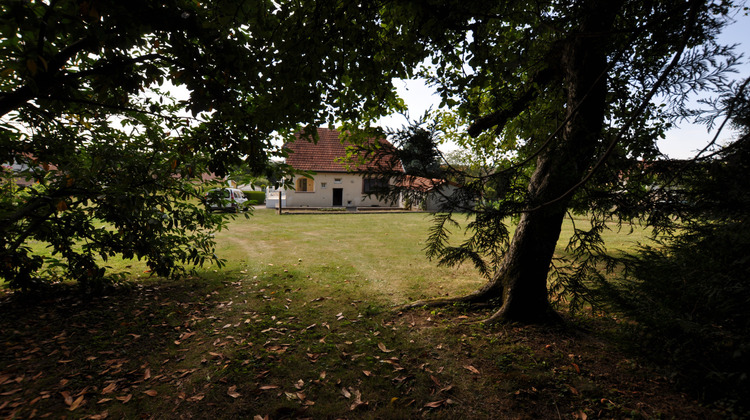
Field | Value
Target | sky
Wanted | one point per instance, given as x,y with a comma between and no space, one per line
681,142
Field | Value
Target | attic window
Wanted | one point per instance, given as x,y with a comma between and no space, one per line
305,184
337,180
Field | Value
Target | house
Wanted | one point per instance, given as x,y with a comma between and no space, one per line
335,182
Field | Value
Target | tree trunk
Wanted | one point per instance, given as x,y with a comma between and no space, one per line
522,275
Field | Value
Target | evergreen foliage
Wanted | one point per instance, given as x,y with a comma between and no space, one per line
690,294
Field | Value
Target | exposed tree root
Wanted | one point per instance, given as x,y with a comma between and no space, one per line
483,298
479,298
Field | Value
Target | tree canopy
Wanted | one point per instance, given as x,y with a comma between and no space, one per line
568,98
90,120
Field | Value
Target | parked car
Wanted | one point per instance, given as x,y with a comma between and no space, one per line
227,199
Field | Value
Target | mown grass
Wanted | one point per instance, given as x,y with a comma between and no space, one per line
300,325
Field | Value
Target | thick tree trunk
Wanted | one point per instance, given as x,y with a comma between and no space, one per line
522,275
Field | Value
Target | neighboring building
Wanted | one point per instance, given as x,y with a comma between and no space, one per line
334,183
428,194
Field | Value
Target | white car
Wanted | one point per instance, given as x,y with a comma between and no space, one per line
228,199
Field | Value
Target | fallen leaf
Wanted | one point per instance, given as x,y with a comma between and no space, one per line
472,369
11,392
109,388
147,374
357,400
125,398
77,403
151,393
382,348
66,396
196,397
232,392
266,387
435,404
346,393
103,415
367,372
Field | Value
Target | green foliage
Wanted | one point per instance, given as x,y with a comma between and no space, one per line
690,295
116,160
548,135
256,197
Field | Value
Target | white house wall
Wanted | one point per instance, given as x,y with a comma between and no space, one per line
322,196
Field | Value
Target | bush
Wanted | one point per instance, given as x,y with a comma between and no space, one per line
690,302
255,197
690,297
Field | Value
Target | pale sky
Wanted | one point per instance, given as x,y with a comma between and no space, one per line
681,142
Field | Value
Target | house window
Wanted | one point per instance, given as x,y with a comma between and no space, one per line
305,184
337,180
323,185
374,185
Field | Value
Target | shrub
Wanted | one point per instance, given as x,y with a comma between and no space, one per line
690,296
255,197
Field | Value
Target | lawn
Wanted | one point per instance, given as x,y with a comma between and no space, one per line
299,324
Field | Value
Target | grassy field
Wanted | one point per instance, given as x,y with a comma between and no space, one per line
299,325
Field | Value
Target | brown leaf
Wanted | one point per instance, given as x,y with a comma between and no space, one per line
147,374
382,348
151,393
357,400
367,372
232,392
77,403
196,397
125,398
266,387
109,388
103,415
435,404
66,396
472,369
446,389
11,392
345,392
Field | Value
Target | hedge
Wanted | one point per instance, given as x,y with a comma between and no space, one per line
258,197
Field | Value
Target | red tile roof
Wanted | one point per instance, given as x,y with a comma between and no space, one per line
420,183
326,155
